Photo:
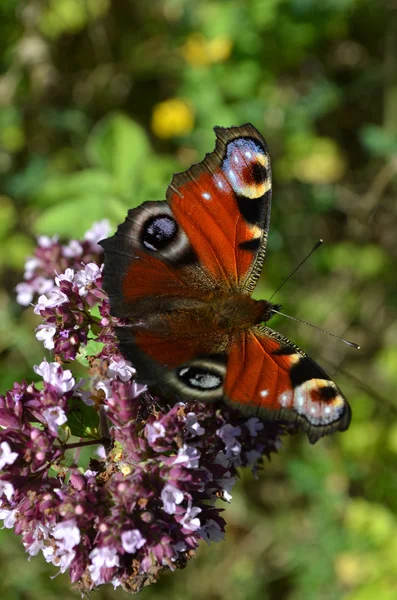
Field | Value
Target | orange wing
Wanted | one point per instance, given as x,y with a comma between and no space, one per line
270,376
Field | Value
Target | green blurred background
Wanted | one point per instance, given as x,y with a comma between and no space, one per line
100,102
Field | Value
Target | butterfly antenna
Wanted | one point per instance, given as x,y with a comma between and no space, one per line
317,245
352,344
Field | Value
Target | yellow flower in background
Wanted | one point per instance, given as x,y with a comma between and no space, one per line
354,568
172,118
323,163
198,51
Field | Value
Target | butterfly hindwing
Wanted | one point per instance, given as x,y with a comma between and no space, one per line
257,371
269,376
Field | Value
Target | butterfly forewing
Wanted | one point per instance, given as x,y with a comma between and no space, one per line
223,205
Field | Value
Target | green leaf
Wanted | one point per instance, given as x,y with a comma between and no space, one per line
73,218
83,421
62,188
120,146
93,347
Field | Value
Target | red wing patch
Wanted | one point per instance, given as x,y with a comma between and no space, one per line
171,351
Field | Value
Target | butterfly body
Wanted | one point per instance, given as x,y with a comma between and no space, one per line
182,272
223,312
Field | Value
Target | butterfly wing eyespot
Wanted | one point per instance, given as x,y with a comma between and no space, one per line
247,169
201,378
152,228
159,232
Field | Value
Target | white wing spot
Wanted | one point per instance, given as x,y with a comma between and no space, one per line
248,154
206,196
300,400
232,175
264,393
236,159
285,399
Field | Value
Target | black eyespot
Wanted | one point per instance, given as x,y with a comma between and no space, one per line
202,379
158,232
327,393
259,173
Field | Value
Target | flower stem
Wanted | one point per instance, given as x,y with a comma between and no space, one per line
104,429
82,444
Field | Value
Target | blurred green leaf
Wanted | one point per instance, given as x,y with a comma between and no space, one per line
120,146
379,141
19,246
62,188
73,218
8,215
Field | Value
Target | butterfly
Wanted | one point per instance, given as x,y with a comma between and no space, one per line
182,272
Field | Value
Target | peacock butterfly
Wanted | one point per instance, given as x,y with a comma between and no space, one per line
182,272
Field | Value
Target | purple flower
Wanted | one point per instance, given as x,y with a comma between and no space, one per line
156,473
98,232
187,456
54,417
132,540
254,425
9,517
67,533
63,381
121,368
7,457
190,521
45,334
86,277
6,489
155,431
73,249
171,496
52,257
103,560
193,425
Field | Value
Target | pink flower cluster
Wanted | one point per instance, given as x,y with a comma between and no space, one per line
148,495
